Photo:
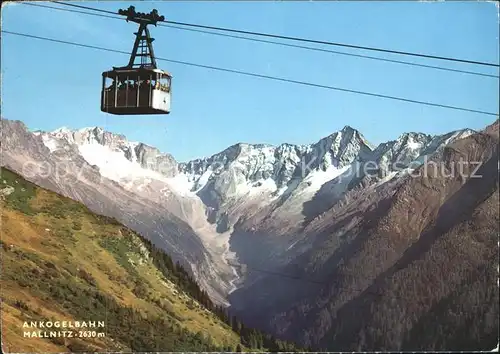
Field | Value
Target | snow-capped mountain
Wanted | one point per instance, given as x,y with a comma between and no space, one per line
410,149
91,142
273,191
246,170
253,184
244,174
259,163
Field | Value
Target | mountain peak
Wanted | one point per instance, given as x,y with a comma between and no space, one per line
66,130
95,128
348,128
348,133
492,129
62,129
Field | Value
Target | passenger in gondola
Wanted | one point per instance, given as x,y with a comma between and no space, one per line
112,86
144,85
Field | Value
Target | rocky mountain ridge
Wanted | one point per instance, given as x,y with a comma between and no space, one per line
241,168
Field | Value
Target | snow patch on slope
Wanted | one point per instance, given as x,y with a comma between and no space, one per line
317,178
265,186
307,188
414,145
181,185
51,144
113,164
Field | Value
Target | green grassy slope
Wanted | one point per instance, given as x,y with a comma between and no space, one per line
62,262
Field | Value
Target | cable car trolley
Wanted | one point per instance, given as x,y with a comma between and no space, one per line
138,88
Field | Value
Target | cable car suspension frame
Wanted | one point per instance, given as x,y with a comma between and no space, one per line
143,20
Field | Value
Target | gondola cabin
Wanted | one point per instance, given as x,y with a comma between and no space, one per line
138,88
136,91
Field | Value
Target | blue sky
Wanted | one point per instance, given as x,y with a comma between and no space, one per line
49,85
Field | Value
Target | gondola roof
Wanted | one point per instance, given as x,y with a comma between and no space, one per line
124,71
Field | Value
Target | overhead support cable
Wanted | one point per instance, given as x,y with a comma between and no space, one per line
317,49
269,77
421,55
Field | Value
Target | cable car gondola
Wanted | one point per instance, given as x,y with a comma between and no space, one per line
140,88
